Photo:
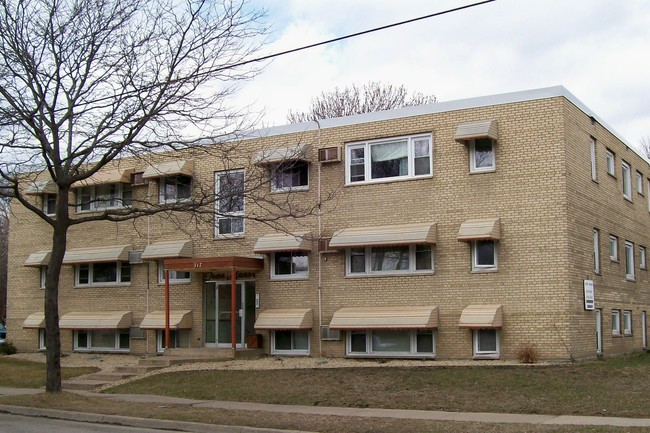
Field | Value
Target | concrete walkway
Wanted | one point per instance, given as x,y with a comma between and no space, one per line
498,418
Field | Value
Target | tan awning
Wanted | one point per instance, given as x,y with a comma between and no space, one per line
480,129
478,229
170,168
481,317
42,187
385,235
97,254
178,319
283,242
285,318
35,320
106,176
161,250
36,260
385,318
299,152
96,320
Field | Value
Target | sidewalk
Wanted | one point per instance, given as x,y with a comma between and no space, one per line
499,418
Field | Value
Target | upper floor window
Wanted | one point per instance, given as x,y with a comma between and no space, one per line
175,188
49,204
102,273
390,259
290,175
629,260
596,251
390,159
229,188
481,155
610,158
484,255
616,322
592,149
626,173
289,265
103,196
639,183
643,264
613,248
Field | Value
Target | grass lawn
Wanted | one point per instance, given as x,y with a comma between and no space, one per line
614,387
18,373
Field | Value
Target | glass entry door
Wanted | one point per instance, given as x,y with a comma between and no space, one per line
218,303
224,323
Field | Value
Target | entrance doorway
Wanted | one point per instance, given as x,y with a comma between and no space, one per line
218,303
599,332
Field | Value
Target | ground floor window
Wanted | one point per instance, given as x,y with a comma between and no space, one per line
486,343
286,342
177,339
391,343
41,339
102,340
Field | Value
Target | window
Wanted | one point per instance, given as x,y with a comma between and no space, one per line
391,343
627,322
610,157
381,160
486,343
481,155
102,197
43,275
627,180
484,255
592,148
643,264
175,277
102,274
616,322
290,342
174,188
49,204
230,203
648,189
629,260
113,340
289,265
41,339
613,248
178,338
639,183
596,251
288,176
390,259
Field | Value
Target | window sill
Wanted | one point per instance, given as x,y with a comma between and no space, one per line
612,175
389,180
228,237
484,271
613,260
486,356
392,355
290,353
628,199
491,170
631,279
92,286
390,274
175,283
628,334
616,335
289,278
287,190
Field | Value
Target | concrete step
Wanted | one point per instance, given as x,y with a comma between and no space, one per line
84,385
109,376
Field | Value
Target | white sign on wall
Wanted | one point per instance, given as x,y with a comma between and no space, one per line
590,298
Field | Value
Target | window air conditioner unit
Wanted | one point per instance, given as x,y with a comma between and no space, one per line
329,154
137,179
135,257
324,246
328,334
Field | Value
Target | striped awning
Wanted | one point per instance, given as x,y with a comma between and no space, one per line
97,254
481,317
42,187
299,152
283,242
384,235
96,320
170,168
480,229
107,176
178,319
480,129
35,321
161,250
36,260
285,318
411,317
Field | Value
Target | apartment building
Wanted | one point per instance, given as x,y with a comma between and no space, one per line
456,230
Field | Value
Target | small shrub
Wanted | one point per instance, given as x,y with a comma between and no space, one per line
527,353
8,348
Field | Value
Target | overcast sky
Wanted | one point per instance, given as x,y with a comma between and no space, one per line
598,49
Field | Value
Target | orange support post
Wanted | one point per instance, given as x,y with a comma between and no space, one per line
166,309
233,305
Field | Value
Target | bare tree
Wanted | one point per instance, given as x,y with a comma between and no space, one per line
84,83
645,146
372,97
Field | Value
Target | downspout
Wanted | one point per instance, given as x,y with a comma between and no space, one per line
320,254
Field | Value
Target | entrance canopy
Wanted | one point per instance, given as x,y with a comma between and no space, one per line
210,264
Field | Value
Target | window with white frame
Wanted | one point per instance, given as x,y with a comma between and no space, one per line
391,343
105,196
639,182
229,187
613,248
484,255
176,188
290,342
41,339
596,251
629,260
49,204
178,338
389,159
290,176
289,265
610,159
643,264
175,277
592,150
109,340
627,322
394,259
616,322
626,174
43,276
102,274
481,155
486,343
